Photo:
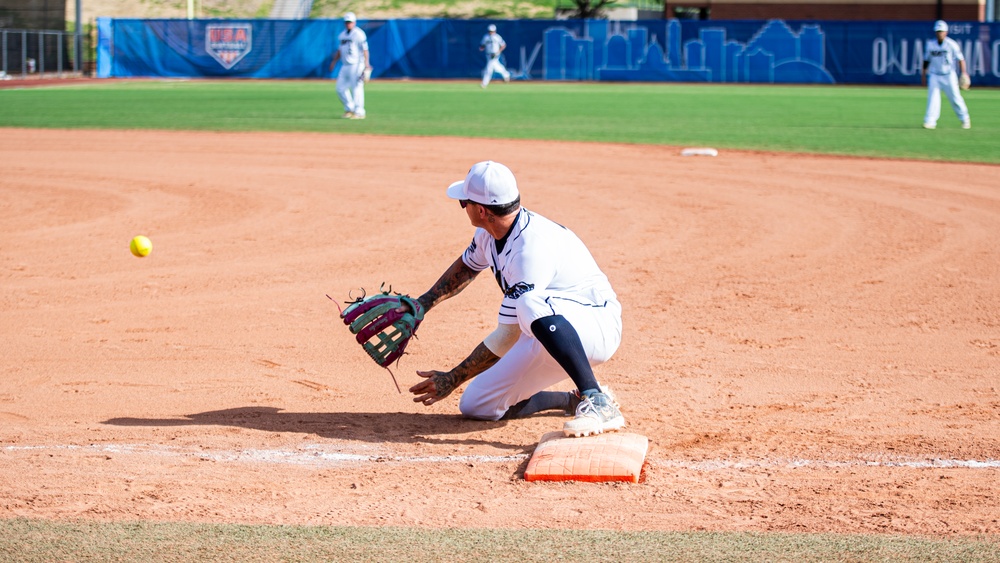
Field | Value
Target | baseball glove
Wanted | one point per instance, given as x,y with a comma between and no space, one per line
381,329
964,81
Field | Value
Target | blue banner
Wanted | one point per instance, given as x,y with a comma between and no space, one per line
774,51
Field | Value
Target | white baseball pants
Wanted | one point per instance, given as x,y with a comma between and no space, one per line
494,65
527,367
947,83
351,89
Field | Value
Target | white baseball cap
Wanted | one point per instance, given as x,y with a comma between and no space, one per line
487,183
491,28
940,25
350,17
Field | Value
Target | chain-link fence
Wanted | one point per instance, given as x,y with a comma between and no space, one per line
35,52
34,41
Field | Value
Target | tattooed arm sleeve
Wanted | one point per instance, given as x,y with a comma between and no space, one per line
440,384
456,278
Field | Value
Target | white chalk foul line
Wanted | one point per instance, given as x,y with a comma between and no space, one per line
318,454
308,455
720,465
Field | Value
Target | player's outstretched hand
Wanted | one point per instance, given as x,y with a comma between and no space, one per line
436,386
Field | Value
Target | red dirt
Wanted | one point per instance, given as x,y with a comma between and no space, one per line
34,81
811,344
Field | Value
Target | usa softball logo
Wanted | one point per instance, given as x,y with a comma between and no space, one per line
228,43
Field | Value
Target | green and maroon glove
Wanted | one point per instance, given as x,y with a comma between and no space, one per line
381,329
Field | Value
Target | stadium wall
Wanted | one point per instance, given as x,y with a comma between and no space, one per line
773,51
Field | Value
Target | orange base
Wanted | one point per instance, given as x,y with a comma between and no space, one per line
614,456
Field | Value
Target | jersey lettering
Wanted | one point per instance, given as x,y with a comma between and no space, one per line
519,289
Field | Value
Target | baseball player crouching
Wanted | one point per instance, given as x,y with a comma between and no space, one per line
940,58
352,50
493,45
558,317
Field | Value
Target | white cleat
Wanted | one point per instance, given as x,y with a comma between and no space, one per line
966,125
596,413
929,126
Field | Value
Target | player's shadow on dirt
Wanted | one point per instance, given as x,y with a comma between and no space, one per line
366,426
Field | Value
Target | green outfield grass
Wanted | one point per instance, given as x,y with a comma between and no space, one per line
32,540
848,120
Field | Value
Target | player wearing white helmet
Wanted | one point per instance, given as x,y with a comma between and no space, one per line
941,55
352,51
493,45
558,316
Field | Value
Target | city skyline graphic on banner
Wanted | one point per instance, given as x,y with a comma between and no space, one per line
613,51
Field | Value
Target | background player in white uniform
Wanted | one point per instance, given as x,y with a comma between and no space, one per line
558,317
940,57
352,50
493,45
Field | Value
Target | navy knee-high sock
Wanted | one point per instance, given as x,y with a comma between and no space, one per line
562,342
542,401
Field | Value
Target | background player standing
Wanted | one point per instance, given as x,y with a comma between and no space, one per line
558,317
352,49
493,45
940,57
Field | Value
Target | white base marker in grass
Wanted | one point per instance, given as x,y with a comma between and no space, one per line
700,151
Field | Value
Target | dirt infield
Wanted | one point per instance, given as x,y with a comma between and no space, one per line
812,344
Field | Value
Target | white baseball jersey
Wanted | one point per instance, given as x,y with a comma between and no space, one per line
543,269
943,56
537,254
353,44
492,43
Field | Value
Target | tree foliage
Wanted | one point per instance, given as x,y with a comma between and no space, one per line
590,9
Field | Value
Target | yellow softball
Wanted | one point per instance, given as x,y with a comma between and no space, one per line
140,246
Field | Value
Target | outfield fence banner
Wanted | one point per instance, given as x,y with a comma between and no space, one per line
773,51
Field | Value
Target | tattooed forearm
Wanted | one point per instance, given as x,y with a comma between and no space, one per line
480,360
456,278
442,383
